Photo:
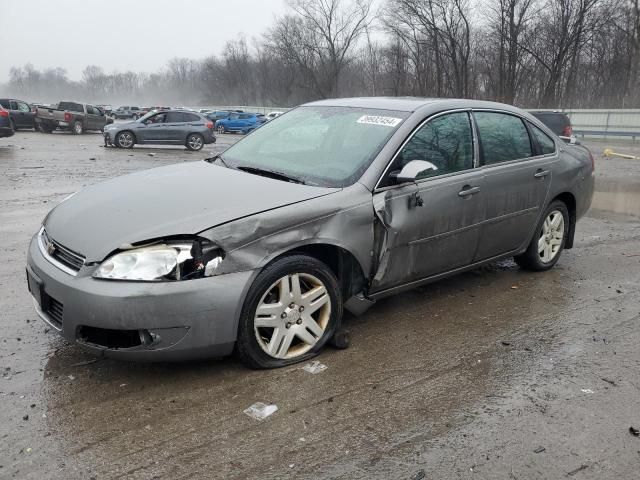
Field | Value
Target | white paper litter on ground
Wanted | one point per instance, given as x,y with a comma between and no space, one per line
260,410
314,367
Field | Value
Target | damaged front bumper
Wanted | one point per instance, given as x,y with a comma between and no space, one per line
154,321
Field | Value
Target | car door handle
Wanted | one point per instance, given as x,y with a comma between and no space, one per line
468,190
541,173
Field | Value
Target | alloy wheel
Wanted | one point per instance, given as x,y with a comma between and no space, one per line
551,236
125,140
292,316
195,142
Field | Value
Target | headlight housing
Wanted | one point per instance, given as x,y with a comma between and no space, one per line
162,261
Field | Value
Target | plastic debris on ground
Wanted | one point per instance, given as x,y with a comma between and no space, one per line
260,410
314,367
634,431
586,390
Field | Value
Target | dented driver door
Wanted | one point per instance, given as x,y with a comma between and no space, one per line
430,226
437,234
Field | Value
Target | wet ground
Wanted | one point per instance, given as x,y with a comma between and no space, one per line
497,373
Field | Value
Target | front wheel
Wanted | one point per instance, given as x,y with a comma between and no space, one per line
125,140
292,309
195,142
548,241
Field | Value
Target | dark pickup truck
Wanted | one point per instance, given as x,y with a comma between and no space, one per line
72,116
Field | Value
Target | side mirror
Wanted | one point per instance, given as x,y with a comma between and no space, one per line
413,169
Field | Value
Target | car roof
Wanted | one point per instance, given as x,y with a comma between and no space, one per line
409,104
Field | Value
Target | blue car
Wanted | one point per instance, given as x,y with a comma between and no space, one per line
240,122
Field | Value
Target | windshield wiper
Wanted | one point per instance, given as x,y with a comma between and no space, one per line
272,174
217,157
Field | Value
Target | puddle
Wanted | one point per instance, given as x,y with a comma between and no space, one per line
618,197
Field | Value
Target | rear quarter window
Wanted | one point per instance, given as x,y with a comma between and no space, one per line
190,117
546,144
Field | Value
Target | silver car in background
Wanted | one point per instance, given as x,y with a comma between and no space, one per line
173,127
331,206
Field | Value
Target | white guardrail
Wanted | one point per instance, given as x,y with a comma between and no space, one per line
602,122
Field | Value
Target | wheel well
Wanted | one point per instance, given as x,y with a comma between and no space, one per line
570,201
342,263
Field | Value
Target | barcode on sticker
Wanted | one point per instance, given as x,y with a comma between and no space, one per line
384,121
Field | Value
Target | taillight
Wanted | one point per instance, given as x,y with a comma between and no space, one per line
210,125
4,113
568,131
67,116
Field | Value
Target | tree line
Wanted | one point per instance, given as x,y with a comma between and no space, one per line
531,53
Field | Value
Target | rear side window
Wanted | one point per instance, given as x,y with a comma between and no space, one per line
14,105
445,141
547,145
191,117
244,116
174,117
503,137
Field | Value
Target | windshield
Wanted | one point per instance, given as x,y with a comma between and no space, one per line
150,113
328,146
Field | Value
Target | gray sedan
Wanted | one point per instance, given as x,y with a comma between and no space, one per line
175,127
331,206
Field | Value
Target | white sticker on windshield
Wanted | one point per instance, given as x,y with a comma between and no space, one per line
384,121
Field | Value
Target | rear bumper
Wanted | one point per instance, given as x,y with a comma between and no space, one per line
6,131
175,320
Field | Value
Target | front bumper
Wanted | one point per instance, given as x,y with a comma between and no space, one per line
180,320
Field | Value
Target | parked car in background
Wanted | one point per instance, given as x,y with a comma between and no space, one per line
6,125
272,115
174,127
72,116
105,108
558,122
126,112
21,113
240,122
249,251
216,115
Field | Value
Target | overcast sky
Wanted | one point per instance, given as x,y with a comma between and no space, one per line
139,35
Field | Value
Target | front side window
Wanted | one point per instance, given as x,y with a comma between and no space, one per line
90,110
328,146
547,145
23,107
503,137
446,141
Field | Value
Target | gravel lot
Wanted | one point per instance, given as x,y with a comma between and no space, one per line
497,373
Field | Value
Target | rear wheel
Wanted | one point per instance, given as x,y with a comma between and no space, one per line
77,128
292,309
195,142
549,240
221,129
125,140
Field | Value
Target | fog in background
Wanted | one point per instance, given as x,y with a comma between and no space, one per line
531,53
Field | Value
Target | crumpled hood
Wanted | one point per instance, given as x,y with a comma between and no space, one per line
173,200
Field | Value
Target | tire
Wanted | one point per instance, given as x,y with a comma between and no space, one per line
272,289
195,142
548,241
125,139
77,128
221,129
